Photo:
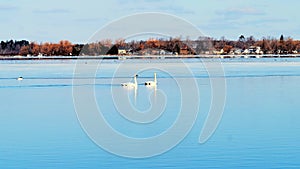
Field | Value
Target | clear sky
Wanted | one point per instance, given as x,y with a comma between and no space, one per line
77,20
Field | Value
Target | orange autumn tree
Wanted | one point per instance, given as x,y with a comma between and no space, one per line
25,50
35,48
65,48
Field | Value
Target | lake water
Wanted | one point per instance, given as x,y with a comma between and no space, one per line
259,128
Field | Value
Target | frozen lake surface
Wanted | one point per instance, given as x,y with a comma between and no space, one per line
259,128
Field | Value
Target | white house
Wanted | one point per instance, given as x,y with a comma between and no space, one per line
259,51
238,51
246,51
122,51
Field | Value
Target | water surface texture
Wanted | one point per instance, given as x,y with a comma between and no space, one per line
259,128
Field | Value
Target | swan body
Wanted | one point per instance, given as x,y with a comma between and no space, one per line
151,83
130,84
20,78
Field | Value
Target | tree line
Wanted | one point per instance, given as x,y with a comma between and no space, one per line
25,48
268,45
203,45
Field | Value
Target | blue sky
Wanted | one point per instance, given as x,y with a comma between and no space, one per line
77,20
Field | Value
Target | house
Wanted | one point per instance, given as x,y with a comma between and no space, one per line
237,51
255,50
162,52
122,51
258,51
218,52
207,52
252,49
184,50
246,51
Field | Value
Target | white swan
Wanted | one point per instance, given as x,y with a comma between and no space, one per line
152,83
130,84
20,78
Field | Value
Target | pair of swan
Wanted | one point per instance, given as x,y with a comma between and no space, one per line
134,85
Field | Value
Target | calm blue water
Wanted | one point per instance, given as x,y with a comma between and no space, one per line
259,129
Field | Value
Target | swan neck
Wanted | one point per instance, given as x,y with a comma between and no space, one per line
135,81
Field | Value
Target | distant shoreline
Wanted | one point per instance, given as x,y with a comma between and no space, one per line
124,57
